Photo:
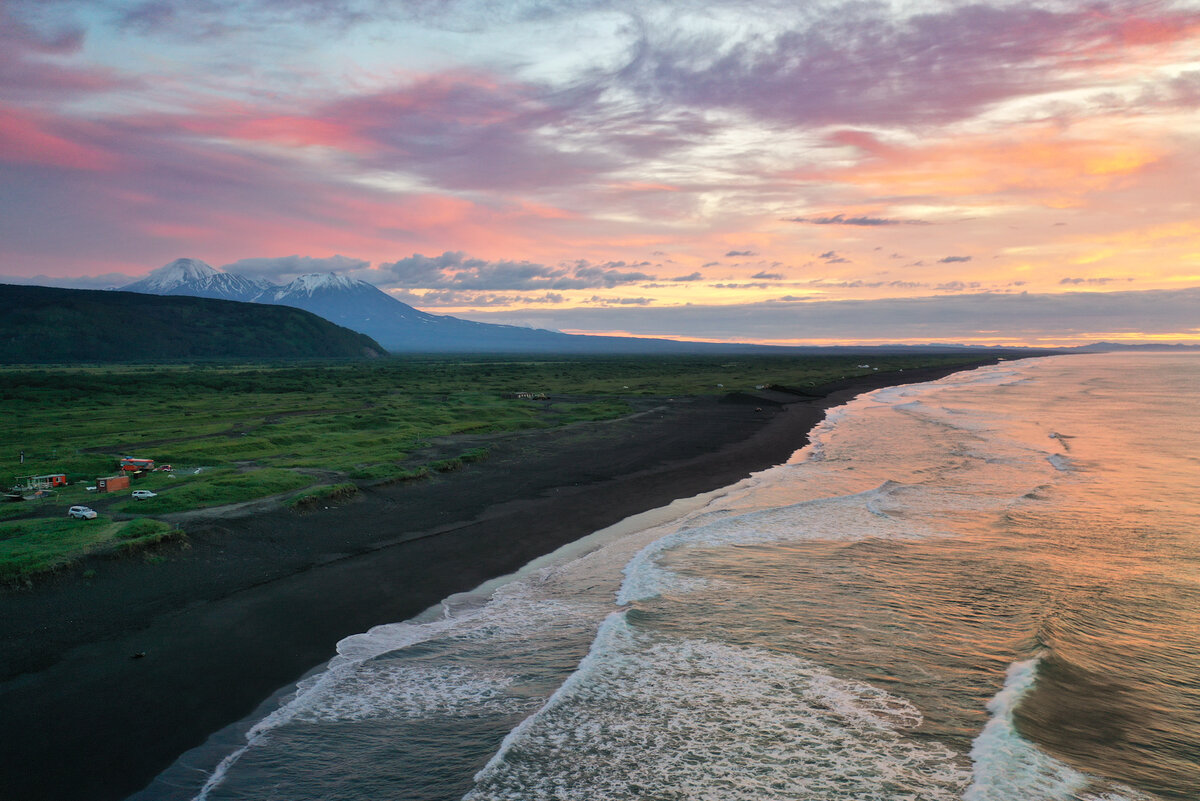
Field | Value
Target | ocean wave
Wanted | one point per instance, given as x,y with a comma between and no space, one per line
369,679
672,718
1007,766
891,510
1061,463
851,517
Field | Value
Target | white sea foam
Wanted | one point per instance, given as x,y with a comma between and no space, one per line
383,690
1007,766
365,681
1061,462
844,518
651,716
892,464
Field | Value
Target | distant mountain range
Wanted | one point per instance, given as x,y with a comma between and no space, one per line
363,307
1111,347
47,325
398,327
198,280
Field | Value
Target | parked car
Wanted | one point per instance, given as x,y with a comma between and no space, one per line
142,495
164,468
81,512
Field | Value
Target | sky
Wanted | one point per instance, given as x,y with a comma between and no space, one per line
987,172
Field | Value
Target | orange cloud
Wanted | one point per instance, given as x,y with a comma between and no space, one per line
1052,168
1152,252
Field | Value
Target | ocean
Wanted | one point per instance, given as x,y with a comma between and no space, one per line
985,587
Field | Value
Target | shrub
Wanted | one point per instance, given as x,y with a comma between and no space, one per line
143,529
475,455
388,473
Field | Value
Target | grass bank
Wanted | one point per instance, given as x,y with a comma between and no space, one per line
32,547
236,432
317,496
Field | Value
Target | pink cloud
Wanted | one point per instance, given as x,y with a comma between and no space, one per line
510,168
251,125
235,202
1121,29
865,141
28,81
466,130
457,130
27,138
858,65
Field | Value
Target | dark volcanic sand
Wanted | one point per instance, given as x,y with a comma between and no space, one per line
254,601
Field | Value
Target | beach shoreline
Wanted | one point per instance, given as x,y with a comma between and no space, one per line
252,602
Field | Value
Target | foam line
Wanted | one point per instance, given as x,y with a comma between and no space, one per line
1007,766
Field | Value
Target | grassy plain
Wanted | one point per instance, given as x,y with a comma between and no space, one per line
39,545
239,431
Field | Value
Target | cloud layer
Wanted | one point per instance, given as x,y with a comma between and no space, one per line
1043,319
457,271
606,152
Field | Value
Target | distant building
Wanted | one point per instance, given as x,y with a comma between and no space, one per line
44,482
112,483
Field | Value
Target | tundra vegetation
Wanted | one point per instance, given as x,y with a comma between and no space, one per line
310,433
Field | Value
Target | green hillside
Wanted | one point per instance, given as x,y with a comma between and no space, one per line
44,325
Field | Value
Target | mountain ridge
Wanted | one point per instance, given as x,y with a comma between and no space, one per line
398,327
52,325
195,278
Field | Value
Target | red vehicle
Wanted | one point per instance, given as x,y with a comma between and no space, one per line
131,465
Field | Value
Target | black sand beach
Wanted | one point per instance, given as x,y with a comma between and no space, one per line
254,599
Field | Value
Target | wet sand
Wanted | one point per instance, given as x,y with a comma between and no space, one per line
253,600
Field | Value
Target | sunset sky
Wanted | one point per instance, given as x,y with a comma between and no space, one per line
910,171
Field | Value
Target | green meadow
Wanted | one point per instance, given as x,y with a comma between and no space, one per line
40,545
306,432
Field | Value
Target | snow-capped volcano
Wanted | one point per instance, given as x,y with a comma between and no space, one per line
166,278
363,307
314,283
355,304
345,301
195,278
